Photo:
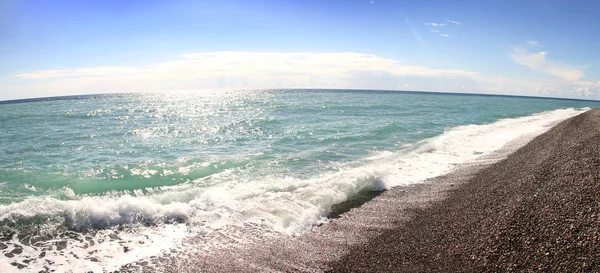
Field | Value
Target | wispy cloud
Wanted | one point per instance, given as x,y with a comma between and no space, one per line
238,70
434,24
223,64
259,70
92,71
436,27
583,91
538,61
454,22
586,89
532,42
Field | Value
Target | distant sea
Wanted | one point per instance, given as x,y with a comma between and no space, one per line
89,183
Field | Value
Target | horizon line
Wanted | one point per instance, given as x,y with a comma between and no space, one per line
82,96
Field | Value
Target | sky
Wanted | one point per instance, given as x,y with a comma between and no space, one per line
515,47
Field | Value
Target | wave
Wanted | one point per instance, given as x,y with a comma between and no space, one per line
272,203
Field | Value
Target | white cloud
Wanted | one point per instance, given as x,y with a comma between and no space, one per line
539,62
561,88
583,91
249,64
231,70
532,42
586,89
93,71
259,70
435,27
434,24
454,22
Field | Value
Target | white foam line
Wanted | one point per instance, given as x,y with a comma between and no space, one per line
272,204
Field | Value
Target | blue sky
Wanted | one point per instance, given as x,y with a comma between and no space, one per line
525,47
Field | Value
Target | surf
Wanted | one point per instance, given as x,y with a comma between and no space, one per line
84,232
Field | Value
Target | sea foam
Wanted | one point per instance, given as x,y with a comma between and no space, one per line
99,233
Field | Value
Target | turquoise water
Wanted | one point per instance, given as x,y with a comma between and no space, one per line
196,162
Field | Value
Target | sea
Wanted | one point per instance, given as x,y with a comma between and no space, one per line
92,183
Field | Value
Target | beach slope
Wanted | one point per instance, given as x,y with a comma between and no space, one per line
536,210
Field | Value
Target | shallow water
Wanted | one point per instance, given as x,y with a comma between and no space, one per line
94,182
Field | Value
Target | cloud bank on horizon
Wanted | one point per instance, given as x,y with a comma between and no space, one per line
439,54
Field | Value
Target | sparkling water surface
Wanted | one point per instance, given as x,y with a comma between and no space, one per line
192,162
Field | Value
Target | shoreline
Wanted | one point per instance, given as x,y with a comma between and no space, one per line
331,246
536,210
